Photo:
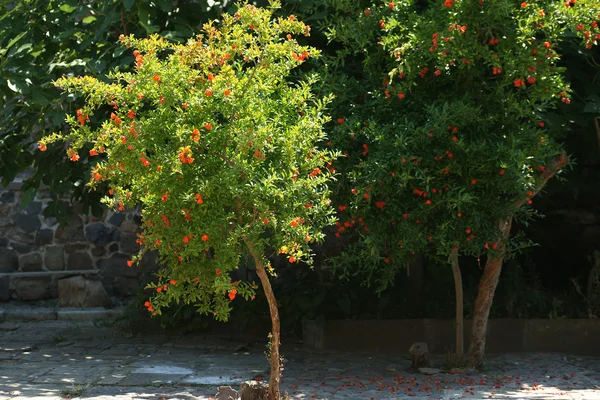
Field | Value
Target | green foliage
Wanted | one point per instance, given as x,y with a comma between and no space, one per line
219,148
441,115
40,40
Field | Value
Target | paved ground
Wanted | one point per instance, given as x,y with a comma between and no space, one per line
53,359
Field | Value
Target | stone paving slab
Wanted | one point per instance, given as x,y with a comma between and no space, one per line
52,359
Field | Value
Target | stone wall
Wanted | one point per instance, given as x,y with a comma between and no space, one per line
29,242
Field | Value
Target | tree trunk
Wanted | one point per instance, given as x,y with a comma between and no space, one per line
458,290
275,376
493,267
485,296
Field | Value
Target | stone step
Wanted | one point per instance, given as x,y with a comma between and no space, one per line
61,314
32,274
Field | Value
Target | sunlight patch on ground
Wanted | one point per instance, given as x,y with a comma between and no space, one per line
163,369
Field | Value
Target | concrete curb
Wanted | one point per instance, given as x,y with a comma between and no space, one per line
65,314
87,314
573,336
29,314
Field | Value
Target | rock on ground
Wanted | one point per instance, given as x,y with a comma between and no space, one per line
78,291
253,390
227,393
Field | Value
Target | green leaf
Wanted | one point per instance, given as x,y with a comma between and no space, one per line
27,197
13,86
143,15
592,108
128,4
23,47
38,98
118,52
174,36
56,117
164,5
15,40
89,19
67,8
110,19
19,86
58,209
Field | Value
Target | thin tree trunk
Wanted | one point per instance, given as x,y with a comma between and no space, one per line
485,296
597,125
275,376
458,290
593,278
493,267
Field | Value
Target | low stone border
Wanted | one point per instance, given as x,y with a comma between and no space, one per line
504,335
46,314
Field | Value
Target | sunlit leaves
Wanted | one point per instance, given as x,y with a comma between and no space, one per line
217,145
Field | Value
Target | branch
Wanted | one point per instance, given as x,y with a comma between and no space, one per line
123,23
597,125
230,163
560,161
224,158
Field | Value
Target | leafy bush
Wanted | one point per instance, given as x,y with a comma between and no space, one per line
219,148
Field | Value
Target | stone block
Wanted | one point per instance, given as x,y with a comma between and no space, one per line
73,247
50,222
28,223
54,258
32,288
4,289
44,236
33,208
98,251
7,197
21,248
100,234
18,236
129,226
72,231
31,262
116,218
116,266
79,260
5,210
9,260
128,243
78,291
